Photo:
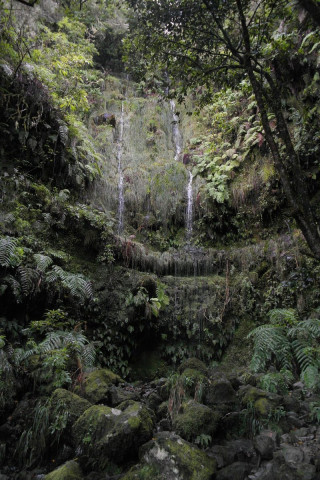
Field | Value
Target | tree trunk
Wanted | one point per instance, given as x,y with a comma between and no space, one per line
287,164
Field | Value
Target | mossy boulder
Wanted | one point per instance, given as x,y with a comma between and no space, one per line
143,472
173,458
194,364
219,391
96,385
194,420
68,471
64,400
113,434
262,401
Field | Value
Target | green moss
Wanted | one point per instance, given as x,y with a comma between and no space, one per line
68,471
144,472
70,402
262,406
193,463
97,383
195,419
194,364
92,425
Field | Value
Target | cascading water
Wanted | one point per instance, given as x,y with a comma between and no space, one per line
189,223
177,138
120,184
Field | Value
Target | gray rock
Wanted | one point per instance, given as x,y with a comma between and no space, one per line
265,444
265,472
219,391
235,471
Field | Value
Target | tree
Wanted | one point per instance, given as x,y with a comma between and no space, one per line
214,42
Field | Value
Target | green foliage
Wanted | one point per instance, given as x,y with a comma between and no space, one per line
288,342
11,254
153,305
277,382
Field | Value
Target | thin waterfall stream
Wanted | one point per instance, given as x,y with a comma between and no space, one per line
120,184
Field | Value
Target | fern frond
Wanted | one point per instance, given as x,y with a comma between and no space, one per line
8,252
283,316
306,328
75,283
15,287
43,262
303,354
270,340
29,279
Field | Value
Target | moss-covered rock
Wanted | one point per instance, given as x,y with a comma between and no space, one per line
96,385
176,459
113,434
62,399
143,472
68,471
194,364
194,420
219,391
263,402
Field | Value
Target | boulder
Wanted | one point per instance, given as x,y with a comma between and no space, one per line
62,399
96,385
235,471
265,444
263,402
112,434
194,364
68,471
175,459
219,391
195,419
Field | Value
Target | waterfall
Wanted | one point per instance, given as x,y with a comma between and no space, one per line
177,138
189,207
120,184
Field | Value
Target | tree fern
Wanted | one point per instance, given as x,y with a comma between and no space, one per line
77,285
43,262
10,255
29,280
283,316
270,341
306,328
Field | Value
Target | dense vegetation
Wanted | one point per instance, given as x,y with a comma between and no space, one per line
159,239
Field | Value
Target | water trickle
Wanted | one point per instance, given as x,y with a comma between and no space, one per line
120,184
189,221
177,137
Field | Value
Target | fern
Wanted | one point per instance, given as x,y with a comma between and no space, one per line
283,316
43,262
306,328
270,341
29,280
15,287
77,285
10,255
